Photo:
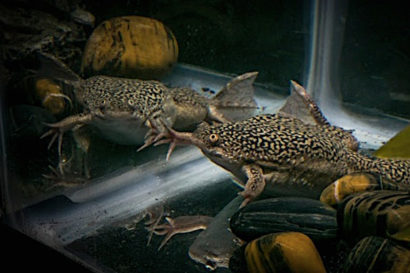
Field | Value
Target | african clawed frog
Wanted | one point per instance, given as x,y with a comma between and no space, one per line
279,149
294,152
126,110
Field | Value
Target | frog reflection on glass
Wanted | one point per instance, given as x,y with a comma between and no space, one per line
274,150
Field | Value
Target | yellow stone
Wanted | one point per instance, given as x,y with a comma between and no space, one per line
283,252
130,46
346,185
50,95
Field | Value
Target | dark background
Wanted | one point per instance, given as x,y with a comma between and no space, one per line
22,254
227,36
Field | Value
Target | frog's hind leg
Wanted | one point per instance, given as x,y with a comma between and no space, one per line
235,101
313,108
69,123
301,106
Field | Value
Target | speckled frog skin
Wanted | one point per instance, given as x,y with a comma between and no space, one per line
276,149
120,107
126,110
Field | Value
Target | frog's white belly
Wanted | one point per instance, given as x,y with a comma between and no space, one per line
127,131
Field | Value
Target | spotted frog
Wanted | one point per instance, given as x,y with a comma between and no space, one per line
126,111
294,152
274,151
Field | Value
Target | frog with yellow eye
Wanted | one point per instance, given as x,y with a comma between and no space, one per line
282,153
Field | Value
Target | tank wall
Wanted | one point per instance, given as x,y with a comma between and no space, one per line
375,60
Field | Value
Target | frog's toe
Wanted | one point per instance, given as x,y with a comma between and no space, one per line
249,194
166,239
247,199
55,133
152,139
53,138
146,144
54,175
167,229
154,217
161,138
173,138
152,132
153,135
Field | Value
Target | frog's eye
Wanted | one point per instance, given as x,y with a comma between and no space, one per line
213,138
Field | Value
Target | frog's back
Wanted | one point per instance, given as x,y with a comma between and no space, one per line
120,94
275,138
333,145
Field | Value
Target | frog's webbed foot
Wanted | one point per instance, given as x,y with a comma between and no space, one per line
156,129
59,128
163,133
255,184
173,138
181,224
159,133
55,132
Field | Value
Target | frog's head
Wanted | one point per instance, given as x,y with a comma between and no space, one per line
214,141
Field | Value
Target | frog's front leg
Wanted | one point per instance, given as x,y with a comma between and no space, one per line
69,123
181,224
255,184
